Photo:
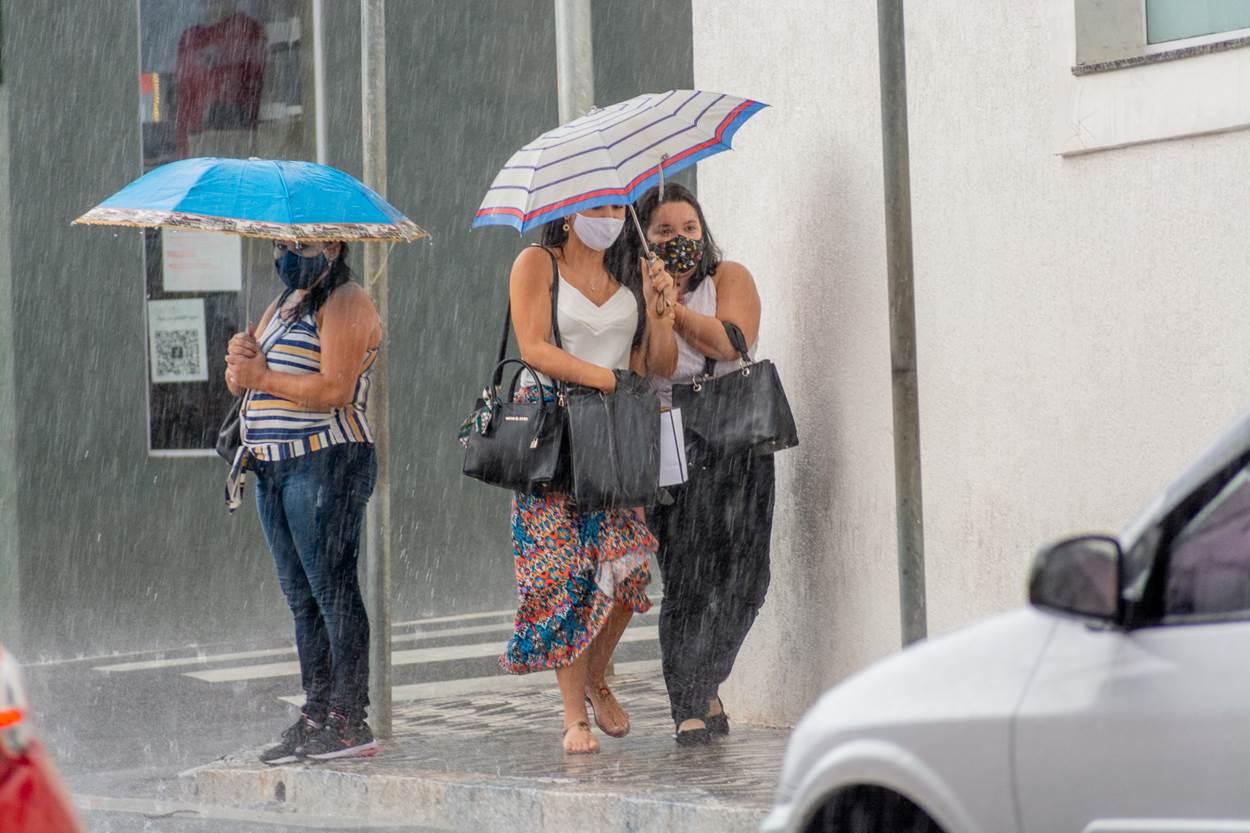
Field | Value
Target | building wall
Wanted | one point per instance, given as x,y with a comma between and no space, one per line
10,537
1079,318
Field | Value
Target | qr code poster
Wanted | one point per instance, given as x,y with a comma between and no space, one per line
178,344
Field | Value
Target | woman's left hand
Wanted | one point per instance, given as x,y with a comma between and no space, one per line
247,371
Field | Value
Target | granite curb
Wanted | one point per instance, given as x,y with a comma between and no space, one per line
467,802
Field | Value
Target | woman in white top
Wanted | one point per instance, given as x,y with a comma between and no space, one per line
582,575
714,535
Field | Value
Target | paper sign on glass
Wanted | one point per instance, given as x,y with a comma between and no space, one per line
179,347
201,261
672,449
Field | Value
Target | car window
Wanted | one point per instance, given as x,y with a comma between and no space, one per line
1209,564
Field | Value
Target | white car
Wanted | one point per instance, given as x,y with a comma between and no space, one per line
1118,703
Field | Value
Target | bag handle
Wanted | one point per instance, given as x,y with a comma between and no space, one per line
739,342
507,319
495,401
499,370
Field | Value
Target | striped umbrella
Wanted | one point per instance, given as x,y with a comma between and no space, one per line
611,156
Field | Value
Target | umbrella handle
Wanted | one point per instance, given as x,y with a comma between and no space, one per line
660,304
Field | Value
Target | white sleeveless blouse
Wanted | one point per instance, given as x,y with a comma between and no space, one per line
602,335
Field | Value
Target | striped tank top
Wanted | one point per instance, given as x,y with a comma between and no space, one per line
273,428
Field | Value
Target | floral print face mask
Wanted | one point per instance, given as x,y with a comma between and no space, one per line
680,254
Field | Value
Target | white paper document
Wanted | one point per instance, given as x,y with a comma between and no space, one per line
672,449
179,348
201,261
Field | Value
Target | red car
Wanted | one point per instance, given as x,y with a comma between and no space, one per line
32,797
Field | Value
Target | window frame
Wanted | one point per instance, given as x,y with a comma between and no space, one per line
1110,92
1184,43
1149,609
1113,38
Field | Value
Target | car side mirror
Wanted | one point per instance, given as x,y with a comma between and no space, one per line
1080,576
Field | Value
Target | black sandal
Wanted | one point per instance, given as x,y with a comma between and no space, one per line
692,737
718,724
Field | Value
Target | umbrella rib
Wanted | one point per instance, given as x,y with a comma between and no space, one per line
286,192
617,165
603,145
620,115
695,153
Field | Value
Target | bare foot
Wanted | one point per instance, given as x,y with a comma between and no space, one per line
691,725
613,720
578,739
715,707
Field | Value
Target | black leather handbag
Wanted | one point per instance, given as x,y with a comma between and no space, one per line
229,439
614,444
745,410
514,445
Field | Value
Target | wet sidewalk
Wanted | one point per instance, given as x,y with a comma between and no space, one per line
492,762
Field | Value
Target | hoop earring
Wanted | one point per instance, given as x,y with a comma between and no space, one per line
566,227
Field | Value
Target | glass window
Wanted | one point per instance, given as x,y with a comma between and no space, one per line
217,78
1209,567
1168,20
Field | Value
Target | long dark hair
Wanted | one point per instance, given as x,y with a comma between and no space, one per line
646,207
314,298
620,259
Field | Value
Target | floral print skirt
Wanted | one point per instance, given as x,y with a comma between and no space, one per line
571,567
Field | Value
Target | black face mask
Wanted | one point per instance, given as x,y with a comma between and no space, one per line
300,272
680,254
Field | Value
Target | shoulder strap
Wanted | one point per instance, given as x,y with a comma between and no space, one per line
277,311
555,296
739,342
507,316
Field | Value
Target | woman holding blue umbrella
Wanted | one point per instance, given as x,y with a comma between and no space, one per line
305,426
304,374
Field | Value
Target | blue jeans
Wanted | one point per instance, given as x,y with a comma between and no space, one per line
312,509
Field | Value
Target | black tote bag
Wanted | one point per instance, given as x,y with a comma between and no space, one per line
745,410
614,445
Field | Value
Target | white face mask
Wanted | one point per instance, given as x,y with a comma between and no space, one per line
598,232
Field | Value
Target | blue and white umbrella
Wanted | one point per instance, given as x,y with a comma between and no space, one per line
267,198
612,156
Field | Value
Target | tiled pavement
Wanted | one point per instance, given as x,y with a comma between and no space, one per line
493,762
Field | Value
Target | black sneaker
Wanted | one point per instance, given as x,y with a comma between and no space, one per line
284,752
340,738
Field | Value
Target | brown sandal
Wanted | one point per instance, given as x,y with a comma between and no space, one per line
581,724
604,693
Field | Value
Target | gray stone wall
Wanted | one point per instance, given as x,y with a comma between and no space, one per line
118,550
10,530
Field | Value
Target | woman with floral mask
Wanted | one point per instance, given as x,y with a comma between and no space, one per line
305,430
582,575
714,535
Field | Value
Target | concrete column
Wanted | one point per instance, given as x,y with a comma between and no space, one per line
10,587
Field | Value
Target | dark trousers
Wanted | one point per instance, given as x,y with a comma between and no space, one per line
714,552
312,510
